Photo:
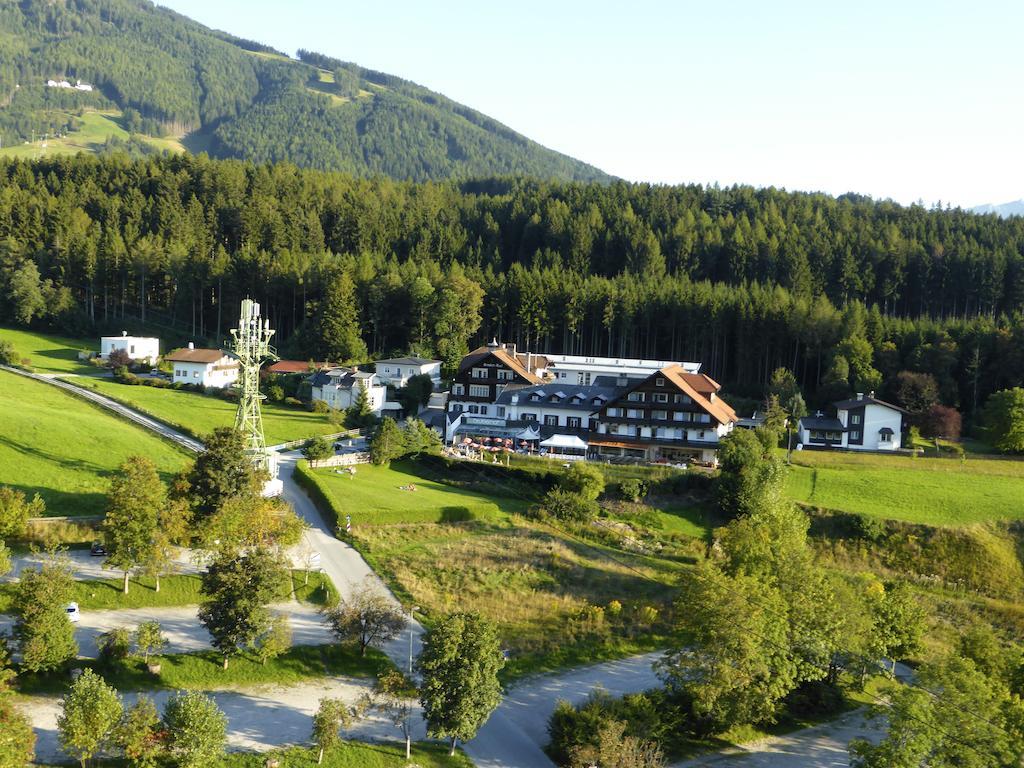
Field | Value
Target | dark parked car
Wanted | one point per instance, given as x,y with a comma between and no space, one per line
97,549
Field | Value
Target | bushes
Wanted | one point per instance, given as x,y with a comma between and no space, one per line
566,505
8,355
633,489
653,715
321,498
319,406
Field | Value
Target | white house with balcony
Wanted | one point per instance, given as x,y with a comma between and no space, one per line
396,371
141,348
204,367
862,423
339,388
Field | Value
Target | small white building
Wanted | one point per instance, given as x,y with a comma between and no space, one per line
862,423
205,367
141,348
339,388
396,371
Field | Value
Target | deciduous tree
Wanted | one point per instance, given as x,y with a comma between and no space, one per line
138,734
15,510
134,500
90,712
368,617
196,730
45,636
1004,420
331,717
459,666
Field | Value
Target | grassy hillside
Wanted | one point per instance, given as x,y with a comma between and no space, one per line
49,354
201,414
156,73
64,449
913,490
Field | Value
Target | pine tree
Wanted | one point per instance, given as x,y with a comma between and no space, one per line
339,329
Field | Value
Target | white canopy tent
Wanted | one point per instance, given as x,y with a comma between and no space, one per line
563,442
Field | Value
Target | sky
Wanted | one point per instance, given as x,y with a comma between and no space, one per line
913,101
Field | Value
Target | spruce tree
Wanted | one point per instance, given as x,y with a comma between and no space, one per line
339,336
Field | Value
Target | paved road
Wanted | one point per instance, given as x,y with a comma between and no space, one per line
85,566
518,729
181,626
824,746
258,719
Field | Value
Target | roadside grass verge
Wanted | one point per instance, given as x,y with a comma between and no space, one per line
65,449
204,670
559,597
348,754
198,414
932,491
175,592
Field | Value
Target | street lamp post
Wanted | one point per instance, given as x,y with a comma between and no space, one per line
412,611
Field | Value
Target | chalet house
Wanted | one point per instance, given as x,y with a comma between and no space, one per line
672,415
483,375
205,367
863,423
396,371
142,348
339,388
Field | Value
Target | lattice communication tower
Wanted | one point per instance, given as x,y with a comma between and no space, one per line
251,347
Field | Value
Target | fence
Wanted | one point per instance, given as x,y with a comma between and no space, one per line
342,460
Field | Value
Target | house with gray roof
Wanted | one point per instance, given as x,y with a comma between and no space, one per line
339,388
861,423
396,371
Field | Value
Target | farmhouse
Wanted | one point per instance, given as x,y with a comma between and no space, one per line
396,371
863,423
205,367
141,348
339,388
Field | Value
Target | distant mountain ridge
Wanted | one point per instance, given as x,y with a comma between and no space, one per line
1014,208
158,72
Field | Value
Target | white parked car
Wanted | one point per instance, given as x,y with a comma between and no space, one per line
73,614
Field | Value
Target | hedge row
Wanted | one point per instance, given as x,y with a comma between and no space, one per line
307,478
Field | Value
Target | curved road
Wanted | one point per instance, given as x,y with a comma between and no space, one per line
514,735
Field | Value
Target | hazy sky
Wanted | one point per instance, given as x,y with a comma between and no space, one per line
908,100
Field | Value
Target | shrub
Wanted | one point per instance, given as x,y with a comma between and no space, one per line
565,505
584,480
319,406
868,528
119,358
633,489
8,355
275,393
294,402
114,646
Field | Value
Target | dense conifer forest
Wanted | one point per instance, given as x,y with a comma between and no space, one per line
846,292
169,75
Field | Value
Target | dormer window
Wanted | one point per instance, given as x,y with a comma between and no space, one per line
534,398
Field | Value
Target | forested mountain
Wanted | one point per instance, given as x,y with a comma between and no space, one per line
847,292
237,98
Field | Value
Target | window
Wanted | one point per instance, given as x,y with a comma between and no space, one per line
700,434
635,413
501,411
458,389
685,399
704,418
479,390
855,418
636,397
613,429
679,416
855,435
480,373
505,375
457,408
659,415
483,410
661,382
195,374
474,409
551,421
661,397
529,416
534,398
573,422
614,411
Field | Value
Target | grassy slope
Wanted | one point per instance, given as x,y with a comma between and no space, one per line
63,448
449,548
201,414
916,490
96,127
50,354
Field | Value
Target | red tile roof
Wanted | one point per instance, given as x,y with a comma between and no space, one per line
185,355
295,366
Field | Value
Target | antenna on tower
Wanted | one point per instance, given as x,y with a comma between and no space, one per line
252,346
